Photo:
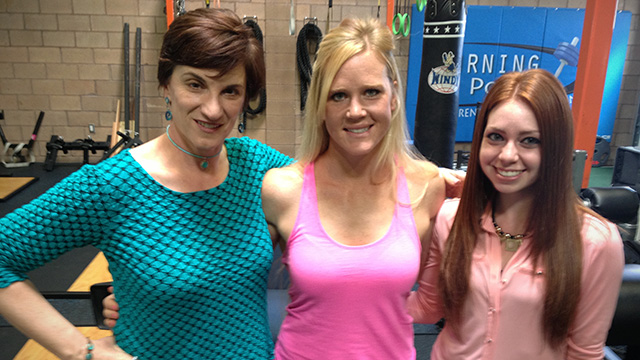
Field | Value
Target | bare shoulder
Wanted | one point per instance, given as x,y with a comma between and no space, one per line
421,173
426,185
280,185
283,179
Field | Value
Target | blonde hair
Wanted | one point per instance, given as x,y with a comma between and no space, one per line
350,38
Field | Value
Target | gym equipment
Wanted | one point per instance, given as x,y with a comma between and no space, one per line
292,20
86,145
127,97
625,327
13,154
3,173
600,152
77,307
329,17
437,106
626,168
619,204
462,160
309,35
567,54
577,169
180,7
403,19
252,22
413,67
126,139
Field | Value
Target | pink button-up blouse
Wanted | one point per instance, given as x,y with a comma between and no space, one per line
502,316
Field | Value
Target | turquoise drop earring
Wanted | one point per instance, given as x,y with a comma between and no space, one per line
168,115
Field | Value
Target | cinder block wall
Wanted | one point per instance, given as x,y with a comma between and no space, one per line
65,57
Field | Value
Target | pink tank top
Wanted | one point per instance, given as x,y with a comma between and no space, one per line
349,302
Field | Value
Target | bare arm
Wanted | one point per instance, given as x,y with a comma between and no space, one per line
280,197
25,308
427,189
423,305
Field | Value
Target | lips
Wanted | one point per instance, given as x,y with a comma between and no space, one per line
359,130
509,173
207,125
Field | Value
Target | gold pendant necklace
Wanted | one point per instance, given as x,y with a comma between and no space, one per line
512,242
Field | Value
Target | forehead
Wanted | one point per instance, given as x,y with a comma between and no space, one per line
513,115
235,75
365,66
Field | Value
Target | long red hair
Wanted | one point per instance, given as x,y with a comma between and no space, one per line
555,220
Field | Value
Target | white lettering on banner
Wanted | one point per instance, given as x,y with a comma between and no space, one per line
486,64
478,83
466,112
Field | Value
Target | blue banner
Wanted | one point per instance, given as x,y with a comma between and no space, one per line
505,39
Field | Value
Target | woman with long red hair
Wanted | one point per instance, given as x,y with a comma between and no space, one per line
518,267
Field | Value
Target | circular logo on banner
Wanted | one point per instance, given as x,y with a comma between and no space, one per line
445,79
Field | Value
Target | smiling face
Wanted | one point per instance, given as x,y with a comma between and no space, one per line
359,105
205,106
510,153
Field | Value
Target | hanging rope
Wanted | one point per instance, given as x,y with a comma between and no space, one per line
309,32
257,32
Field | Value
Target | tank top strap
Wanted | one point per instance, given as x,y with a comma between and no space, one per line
401,187
309,196
404,211
308,216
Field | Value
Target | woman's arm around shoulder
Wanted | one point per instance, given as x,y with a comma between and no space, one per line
281,190
427,192
425,304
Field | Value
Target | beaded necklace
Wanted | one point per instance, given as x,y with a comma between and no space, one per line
512,242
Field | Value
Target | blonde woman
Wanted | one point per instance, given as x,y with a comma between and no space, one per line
356,209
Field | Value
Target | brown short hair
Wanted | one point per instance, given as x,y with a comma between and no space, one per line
212,39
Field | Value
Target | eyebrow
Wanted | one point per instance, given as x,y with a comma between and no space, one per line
214,78
526,132
192,74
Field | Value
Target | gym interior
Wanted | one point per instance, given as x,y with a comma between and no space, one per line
78,84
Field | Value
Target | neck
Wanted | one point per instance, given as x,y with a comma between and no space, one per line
346,166
512,215
203,160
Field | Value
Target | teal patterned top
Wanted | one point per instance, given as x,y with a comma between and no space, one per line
190,269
